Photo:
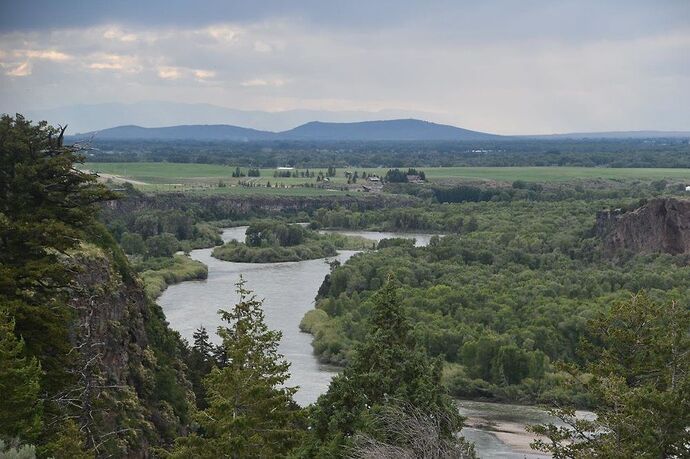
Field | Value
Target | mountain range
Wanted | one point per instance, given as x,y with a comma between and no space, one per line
392,130
207,122
400,130
94,117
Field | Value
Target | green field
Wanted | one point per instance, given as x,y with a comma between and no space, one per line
555,174
206,177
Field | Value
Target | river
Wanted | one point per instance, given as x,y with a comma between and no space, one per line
288,290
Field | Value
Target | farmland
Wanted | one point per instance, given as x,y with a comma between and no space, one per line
162,176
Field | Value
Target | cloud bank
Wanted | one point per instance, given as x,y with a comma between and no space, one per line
506,67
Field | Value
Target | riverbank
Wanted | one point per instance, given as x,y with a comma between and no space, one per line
288,290
172,271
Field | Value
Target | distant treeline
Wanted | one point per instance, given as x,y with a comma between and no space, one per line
587,153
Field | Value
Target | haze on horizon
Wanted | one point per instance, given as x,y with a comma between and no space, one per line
506,67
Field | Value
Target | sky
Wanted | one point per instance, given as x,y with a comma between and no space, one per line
502,66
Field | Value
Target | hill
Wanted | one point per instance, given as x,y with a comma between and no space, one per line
400,130
615,135
391,130
94,117
186,132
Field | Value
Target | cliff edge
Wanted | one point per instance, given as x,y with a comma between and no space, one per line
661,225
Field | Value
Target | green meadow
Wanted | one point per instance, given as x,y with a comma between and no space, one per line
217,179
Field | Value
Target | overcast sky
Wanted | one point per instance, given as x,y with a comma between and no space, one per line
510,67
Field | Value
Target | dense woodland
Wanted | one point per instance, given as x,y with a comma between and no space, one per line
513,300
507,290
509,152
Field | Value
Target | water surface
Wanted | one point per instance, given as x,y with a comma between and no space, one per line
288,290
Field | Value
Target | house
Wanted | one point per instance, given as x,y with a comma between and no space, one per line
687,188
373,178
282,168
414,179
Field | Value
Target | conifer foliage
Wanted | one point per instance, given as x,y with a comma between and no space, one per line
19,385
388,369
250,413
639,375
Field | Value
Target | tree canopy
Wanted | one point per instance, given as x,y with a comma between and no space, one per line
387,368
250,412
639,375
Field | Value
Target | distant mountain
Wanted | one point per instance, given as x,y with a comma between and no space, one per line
94,117
616,135
202,132
401,130
391,130
396,130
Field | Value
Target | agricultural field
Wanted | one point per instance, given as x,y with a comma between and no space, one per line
178,176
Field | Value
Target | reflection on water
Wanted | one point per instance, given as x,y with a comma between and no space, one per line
288,290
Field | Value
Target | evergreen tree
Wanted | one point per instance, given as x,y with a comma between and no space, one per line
388,368
201,361
20,377
68,442
250,413
46,207
639,376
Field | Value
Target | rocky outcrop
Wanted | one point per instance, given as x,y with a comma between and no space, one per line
661,225
119,363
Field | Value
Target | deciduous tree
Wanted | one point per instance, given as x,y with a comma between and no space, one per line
639,376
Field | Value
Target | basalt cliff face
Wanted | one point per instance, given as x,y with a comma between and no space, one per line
129,380
661,225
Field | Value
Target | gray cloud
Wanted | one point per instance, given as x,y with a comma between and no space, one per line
502,66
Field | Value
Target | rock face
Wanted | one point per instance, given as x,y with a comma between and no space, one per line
661,225
122,369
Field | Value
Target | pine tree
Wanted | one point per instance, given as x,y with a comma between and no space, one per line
20,376
201,361
639,375
250,413
388,368
46,207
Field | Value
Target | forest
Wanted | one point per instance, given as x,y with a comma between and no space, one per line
506,290
514,299
510,152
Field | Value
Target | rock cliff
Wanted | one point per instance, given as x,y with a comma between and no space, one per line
130,388
661,225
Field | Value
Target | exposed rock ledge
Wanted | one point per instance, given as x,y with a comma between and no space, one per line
661,225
